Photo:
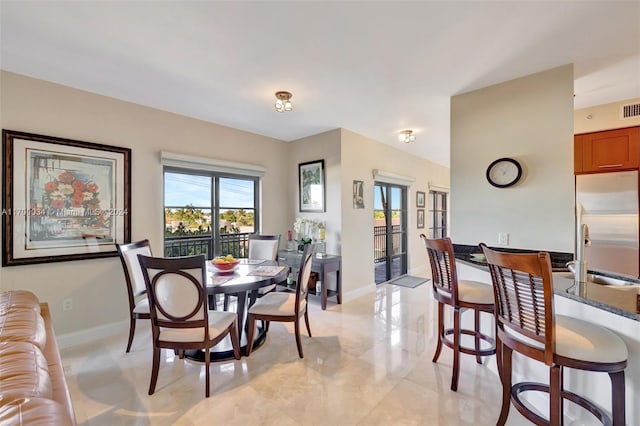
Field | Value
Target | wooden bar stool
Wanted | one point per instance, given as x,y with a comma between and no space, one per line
525,320
460,295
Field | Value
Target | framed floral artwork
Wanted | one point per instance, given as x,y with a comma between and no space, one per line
420,201
420,220
63,199
311,186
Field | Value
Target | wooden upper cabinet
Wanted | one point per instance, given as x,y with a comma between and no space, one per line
606,151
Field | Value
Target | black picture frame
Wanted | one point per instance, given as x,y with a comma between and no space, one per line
311,186
63,199
420,199
420,219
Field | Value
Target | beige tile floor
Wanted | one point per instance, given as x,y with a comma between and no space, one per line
368,363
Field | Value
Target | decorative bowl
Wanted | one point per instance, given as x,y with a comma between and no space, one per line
225,266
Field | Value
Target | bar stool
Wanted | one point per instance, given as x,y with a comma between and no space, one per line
460,295
525,320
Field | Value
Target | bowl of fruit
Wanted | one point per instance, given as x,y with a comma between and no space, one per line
225,263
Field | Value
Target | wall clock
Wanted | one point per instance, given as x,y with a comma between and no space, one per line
504,172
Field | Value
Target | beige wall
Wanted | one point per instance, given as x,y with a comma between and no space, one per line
531,120
97,286
360,156
603,117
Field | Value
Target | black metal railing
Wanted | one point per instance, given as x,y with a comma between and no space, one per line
380,241
233,244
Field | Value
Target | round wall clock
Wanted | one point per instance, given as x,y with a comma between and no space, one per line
504,172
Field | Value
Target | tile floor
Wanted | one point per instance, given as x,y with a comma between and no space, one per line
368,363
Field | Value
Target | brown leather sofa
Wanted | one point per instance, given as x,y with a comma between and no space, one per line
33,389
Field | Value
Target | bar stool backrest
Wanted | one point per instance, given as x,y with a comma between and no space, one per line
523,292
443,267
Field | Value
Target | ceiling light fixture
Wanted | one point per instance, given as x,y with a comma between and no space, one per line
407,136
283,102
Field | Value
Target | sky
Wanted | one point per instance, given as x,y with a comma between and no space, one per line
183,189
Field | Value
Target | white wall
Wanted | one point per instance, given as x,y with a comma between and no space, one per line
531,120
360,155
603,117
97,286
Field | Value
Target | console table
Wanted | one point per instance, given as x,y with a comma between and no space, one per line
322,266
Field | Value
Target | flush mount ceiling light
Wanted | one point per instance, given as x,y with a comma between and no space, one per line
283,102
407,136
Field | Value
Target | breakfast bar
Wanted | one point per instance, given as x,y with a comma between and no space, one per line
614,306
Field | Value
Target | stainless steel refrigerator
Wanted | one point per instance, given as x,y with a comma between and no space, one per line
608,204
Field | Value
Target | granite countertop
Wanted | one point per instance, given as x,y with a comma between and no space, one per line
621,300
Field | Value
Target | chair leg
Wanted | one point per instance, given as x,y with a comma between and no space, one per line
555,395
618,396
250,333
226,302
440,332
207,362
132,329
456,349
505,356
476,328
154,370
298,339
235,340
306,320
266,325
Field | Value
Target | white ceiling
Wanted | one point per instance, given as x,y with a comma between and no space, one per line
375,68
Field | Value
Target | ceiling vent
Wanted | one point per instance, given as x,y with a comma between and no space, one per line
629,111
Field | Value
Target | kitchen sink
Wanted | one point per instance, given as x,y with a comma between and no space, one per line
600,279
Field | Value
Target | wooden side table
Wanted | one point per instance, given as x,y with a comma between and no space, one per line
322,266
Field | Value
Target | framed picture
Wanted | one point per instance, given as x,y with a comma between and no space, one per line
419,199
358,194
63,199
420,220
311,186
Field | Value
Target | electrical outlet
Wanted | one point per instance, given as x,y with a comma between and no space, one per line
67,304
503,238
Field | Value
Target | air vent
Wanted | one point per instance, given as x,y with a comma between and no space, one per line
629,111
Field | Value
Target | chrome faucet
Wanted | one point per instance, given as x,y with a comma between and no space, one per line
580,264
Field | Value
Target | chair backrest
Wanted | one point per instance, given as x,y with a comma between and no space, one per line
264,246
304,272
523,292
177,293
443,267
132,273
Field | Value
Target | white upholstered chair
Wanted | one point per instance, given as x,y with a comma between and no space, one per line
284,306
136,290
180,319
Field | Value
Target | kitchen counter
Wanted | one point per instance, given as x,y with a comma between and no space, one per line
623,300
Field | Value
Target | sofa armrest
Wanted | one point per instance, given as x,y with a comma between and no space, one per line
56,372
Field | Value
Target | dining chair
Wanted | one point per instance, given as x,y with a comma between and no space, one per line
284,306
261,247
180,319
136,290
526,323
460,295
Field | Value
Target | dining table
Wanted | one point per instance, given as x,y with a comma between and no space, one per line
243,282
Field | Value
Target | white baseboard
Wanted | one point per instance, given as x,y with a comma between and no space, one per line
358,292
92,334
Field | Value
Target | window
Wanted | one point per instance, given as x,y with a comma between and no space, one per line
208,212
438,214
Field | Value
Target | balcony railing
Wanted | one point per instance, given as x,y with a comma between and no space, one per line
233,244
380,241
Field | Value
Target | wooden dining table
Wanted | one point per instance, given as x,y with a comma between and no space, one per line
243,282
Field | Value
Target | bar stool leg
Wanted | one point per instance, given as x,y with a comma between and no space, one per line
436,355
456,349
555,395
617,398
505,359
476,328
